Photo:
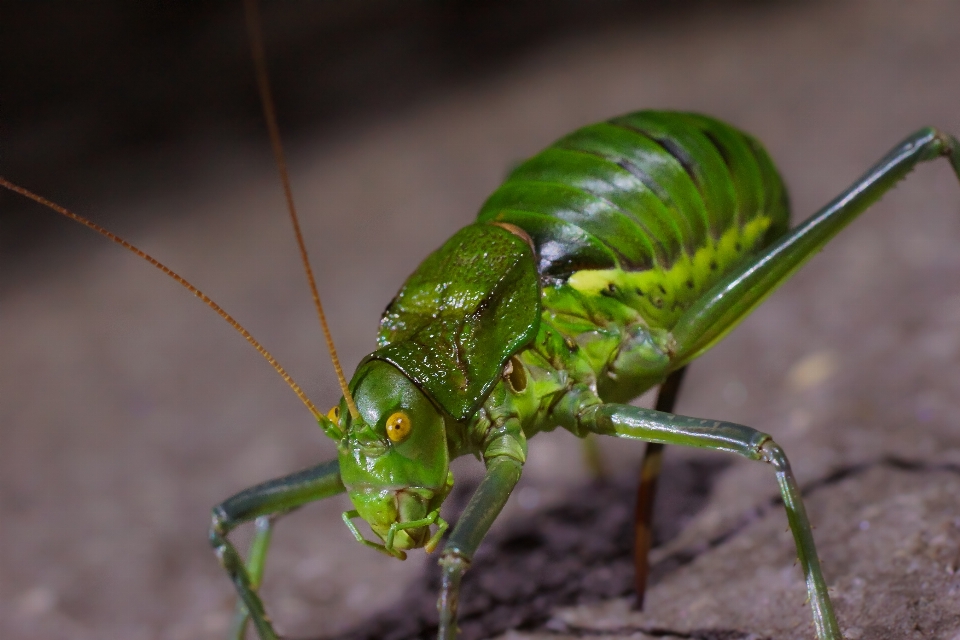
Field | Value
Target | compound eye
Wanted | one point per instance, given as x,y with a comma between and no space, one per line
334,415
398,427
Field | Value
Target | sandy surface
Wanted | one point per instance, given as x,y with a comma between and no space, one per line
127,409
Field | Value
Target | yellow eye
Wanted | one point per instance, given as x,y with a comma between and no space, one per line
334,415
398,426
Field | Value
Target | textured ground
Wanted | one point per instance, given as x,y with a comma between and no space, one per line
568,572
127,409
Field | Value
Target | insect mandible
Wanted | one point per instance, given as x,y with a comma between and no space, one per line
605,297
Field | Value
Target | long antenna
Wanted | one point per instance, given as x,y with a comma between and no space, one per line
176,276
252,12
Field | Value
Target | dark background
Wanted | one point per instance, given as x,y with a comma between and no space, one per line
84,84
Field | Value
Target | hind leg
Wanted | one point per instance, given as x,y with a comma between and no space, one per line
647,489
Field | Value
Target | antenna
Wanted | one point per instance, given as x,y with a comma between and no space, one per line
252,13
176,276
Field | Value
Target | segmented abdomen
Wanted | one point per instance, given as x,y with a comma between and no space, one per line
651,207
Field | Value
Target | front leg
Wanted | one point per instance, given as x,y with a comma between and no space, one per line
262,503
625,421
485,505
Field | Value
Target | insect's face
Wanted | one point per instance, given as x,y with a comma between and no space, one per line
394,460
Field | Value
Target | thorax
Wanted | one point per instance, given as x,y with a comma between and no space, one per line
586,346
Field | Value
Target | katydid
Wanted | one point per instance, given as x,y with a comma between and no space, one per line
600,267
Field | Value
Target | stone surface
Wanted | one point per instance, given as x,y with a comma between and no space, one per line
127,409
578,551
889,535
890,546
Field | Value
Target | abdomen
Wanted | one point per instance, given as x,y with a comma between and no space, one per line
651,208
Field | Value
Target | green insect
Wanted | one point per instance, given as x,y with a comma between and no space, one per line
602,265
598,270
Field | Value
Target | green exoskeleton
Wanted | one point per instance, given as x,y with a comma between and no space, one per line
598,270
601,266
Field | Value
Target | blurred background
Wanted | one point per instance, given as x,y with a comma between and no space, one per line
127,409
85,83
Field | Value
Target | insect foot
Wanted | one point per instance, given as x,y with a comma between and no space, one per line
453,566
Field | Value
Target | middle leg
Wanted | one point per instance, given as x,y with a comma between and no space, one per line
625,421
